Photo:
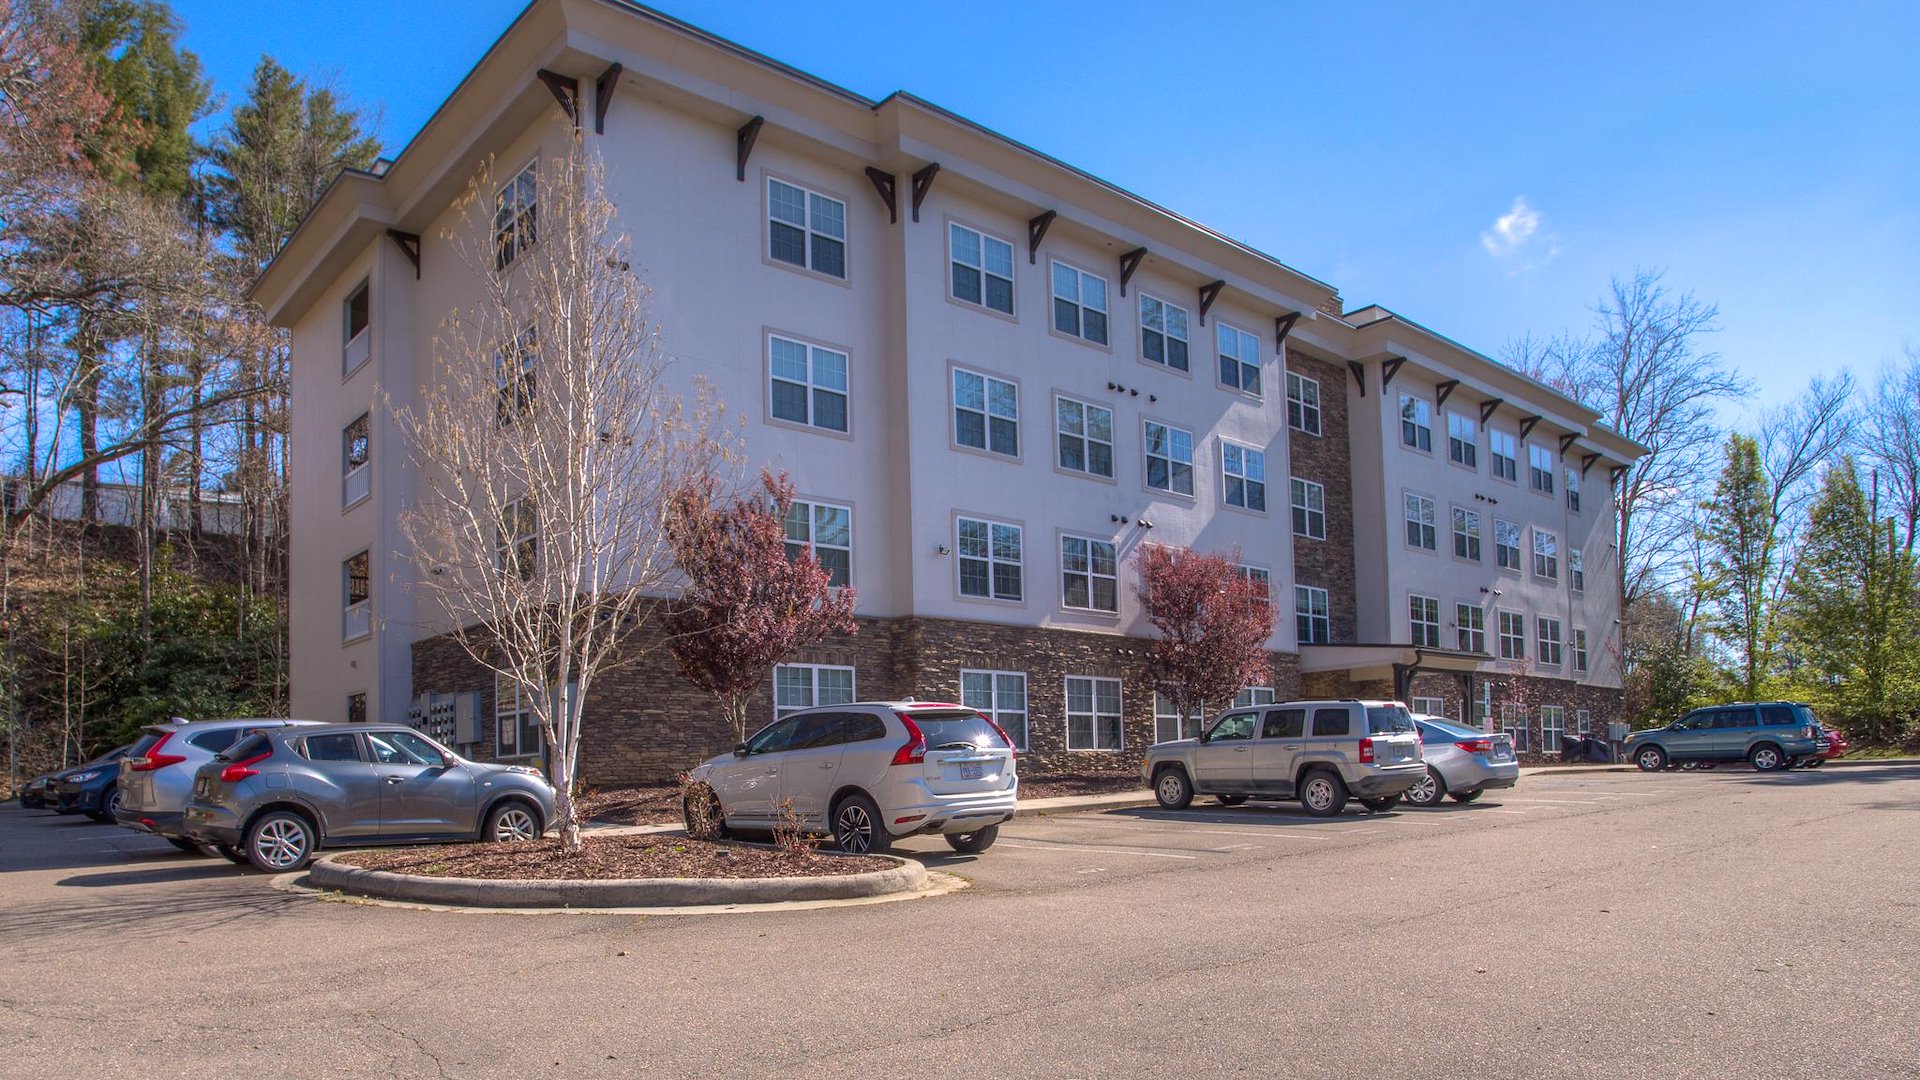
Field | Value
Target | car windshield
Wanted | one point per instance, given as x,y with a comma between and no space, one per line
953,729
1389,720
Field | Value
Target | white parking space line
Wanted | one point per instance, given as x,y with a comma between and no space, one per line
1074,849
1496,810
1555,802
1204,829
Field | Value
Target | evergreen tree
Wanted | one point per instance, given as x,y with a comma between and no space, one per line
158,87
1739,537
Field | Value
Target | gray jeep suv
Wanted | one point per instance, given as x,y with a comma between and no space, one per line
1320,752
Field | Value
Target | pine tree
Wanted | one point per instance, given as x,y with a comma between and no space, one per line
1740,539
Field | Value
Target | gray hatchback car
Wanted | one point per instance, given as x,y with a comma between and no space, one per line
276,797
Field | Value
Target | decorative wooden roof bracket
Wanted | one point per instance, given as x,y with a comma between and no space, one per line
923,183
1488,407
1389,369
565,90
743,141
603,88
888,185
1208,294
1359,375
1443,391
409,245
1129,263
1037,227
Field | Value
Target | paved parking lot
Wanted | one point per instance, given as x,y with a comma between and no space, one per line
1585,924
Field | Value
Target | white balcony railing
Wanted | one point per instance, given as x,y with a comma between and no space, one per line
356,485
357,622
357,352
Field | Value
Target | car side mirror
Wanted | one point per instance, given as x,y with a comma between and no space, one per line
1206,736
740,750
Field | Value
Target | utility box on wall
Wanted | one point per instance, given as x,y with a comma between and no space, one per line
466,719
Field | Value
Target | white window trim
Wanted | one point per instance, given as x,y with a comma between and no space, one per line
995,713
1305,489
990,560
1470,442
1518,546
810,386
1577,645
1428,706
1470,635
1245,483
1400,416
1086,438
1326,605
1553,728
1195,723
1576,570
1242,337
1533,480
1428,521
1147,455
1549,651
1501,622
1081,306
1185,338
813,525
1067,705
1546,564
1013,282
1494,456
1476,535
518,714
1293,378
987,416
807,231
1090,574
520,213
1415,624
813,686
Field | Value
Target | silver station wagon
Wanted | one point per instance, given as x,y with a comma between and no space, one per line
1320,752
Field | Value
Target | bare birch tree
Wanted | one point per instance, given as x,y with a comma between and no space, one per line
1891,443
546,444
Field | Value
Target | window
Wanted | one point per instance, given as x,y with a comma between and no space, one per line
516,538
1416,423
989,559
1284,724
1423,612
806,229
986,413
1549,634
1169,458
1553,724
828,530
1513,636
982,269
1303,403
516,374
1089,574
1505,451
357,708
1470,624
1163,332
1576,570
1000,696
1262,581
1463,440
357,344
1167,725
804,686
356,480
1420,522
1313,623
1233,727
1466,534
1093,714
1239,359
1429,706
1513,721
515,207
1332,722
516,731
1253,695
1085,435
1579,650
1309,508
1540,469
356,587
1506,544
1243,471
1079,304
1582,722
809,383
1573,489
1546,555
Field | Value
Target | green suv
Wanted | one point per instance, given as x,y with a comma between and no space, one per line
1768,735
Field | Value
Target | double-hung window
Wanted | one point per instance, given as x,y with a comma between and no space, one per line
1470,622
1089,574
1420,514
1506,545
807,686
1576,570
1313,622
356,341
990,566
1540,469
1573,489
1163,332
1169,458
1513,724
1079,303
1239,359
982,269
1000,696
809,383
515,212
1579,643
1546,555
1309,508
1463,440
355,448
1252,696
1553,724
1513,636
1093,714
1085,435
1505,451
516,538
516,374
986,413
1169,725
1416,423
356,587
1261,579
1466,534
1423,614
826,530
1303,403
1243,474
806,229
1549,641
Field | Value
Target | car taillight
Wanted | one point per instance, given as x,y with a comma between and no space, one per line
238,771
1366,751
1476,746
914,750
154,759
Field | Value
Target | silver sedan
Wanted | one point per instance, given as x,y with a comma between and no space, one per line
1462,762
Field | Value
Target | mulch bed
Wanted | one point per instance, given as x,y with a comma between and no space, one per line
606,858
1049,787
658,805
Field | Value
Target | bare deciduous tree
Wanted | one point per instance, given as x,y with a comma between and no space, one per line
1891,443
547,443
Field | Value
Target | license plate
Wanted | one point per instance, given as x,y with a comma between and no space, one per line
1500,753
200,786
971,770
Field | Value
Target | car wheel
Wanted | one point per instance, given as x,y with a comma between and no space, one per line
1231,800
1323,794
1428,790
1766,758
231,854
280,841
1650,759
1465,796
186,845
1816,763
1386,802
512,821
973,843
1172,788
857,828
108,804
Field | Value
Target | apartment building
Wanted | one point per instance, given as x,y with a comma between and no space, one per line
992,376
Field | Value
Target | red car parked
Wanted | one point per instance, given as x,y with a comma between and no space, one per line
1837,745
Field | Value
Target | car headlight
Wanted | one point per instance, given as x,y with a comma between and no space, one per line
81,778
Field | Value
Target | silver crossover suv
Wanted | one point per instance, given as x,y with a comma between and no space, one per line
275,797
1320,752
156,775
1462,762
868,773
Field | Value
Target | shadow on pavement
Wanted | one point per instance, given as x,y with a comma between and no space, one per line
187,868
1829,776
150,913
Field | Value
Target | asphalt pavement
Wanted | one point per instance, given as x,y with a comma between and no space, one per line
1585,924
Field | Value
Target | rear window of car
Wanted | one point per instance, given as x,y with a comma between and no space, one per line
1432,732
1330,721
1779,716
143,744
952,728
1389,720
248,747
215,741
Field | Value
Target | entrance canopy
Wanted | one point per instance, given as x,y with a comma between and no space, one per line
1391,662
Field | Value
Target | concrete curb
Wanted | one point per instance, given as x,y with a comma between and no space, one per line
1068,804
1837,762
906,875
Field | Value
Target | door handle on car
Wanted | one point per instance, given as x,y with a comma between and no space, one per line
395,779
1241,749
1291,746
828,764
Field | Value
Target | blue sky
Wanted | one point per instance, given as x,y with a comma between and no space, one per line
1482,174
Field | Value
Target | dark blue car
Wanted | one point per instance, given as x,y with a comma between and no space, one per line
92,789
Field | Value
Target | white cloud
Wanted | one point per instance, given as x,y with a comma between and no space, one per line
1516,238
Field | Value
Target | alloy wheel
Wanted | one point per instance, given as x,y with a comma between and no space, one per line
281,843
1650,759
1422,792
1766,759
853,829
514,824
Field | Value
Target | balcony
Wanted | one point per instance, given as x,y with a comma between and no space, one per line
356,485
358,350
357,621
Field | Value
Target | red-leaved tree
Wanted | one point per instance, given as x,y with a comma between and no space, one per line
747,604
1213,623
